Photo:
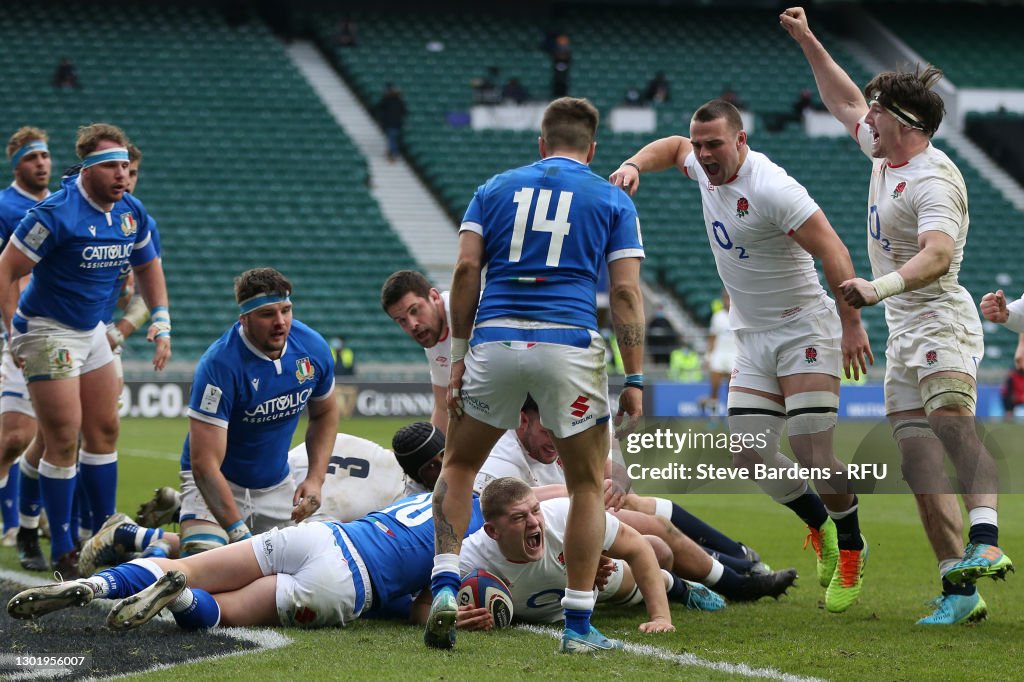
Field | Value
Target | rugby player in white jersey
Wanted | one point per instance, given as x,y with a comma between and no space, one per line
917,228
721,353
422,312
522,543
765,231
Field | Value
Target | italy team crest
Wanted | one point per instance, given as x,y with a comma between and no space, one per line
128,224
304,370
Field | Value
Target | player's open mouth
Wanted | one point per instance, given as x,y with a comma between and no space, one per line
533,541
711,168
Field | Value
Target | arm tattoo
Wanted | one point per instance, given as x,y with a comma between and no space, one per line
629,334
445,541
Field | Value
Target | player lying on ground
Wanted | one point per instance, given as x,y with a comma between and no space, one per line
522,543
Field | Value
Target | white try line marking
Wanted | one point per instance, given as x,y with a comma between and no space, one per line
690,660
264,639
153,454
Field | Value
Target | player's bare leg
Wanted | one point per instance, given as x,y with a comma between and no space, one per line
467,445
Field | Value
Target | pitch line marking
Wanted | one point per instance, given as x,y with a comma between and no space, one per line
690,660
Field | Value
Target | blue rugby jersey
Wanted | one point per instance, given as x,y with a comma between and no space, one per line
258,400
14,204
79,252
397,545
547,227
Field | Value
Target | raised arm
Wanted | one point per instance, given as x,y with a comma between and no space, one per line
839,93
657,156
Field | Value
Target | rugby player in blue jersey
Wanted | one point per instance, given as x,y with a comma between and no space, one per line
29,154
543,232
75,243
249,389
317,574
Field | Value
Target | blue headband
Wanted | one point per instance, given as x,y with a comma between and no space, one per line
33,146
114,154
251,304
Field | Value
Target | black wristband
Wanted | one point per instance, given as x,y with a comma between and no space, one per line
630,163
629,384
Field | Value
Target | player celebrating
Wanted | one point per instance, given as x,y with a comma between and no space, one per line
542,232
422,312
30,160
764,232
250,388
75,243
917,228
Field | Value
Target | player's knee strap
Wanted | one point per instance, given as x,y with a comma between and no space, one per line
756,415
812,412
202,537
946,391
911,428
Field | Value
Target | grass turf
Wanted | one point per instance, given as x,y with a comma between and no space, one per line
876,639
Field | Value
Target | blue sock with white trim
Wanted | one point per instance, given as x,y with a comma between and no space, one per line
30,500
195,609
98,474
132,537
127,579
9,498
57,485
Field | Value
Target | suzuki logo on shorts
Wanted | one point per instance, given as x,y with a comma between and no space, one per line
580,406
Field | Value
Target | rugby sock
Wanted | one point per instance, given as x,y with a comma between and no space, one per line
445,574
125,580
578,606
848,527
695,529
742,566
133,537
81,515
675,587
195,609
99,477
810,509
725,580
984,526
9,498
57,485
30,501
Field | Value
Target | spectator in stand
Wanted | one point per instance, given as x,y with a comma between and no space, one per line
391,113
657,91
514,92
65,76
345,35
1012,391
730,96
561,60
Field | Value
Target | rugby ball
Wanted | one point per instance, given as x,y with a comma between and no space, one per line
481,589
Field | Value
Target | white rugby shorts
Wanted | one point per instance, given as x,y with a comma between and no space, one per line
261,508
52,350
721,362
317,584
13,389
811,344
569,384
934,346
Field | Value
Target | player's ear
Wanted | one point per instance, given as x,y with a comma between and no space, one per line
542,148
591,152
741,139
491,531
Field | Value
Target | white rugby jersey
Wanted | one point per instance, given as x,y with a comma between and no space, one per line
508,458
439,356
537,587
770,278
361,477
926,193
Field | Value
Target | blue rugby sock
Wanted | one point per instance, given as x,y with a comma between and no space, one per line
810,508
445,574
132,537
30,500
703,534
57,485
195,609
9,498
129,578
98,473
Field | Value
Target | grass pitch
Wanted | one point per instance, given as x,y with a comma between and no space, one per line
788,639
